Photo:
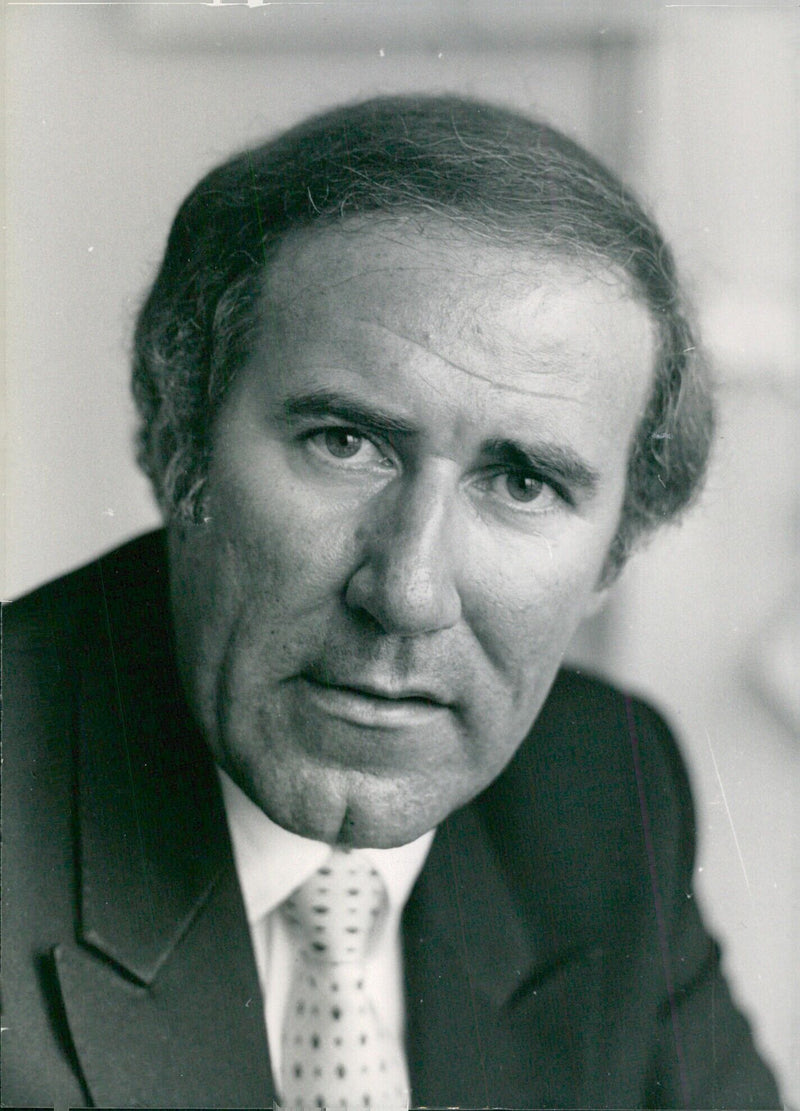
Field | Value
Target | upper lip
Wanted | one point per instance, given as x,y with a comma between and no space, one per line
390,691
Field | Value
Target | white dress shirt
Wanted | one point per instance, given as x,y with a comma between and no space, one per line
270,863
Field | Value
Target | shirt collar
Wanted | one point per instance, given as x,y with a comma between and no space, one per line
271,862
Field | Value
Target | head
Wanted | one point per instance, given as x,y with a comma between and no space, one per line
415,378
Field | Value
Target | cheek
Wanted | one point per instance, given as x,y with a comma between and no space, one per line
526,603
288,550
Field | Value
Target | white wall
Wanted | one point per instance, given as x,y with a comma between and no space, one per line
745,569
114,113
708,621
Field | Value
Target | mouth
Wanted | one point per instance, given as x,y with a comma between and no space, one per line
374,705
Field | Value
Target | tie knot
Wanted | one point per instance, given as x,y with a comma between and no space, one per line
338,912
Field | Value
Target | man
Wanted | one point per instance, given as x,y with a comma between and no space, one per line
414,378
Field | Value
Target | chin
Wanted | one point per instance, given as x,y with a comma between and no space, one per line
353,809
365,823
359,830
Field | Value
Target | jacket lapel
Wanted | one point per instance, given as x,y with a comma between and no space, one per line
160,991
467,953
504,962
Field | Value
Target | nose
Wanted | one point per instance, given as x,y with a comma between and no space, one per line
407,578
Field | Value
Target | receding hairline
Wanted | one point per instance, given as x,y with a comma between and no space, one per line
538,257
520,269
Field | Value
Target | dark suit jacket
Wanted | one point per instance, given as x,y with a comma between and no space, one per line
554,951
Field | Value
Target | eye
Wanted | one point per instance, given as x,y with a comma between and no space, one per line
522,491
340,444
343,443
523,487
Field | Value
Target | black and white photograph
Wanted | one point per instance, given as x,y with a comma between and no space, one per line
401,566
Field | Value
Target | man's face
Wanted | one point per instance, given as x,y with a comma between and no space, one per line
415,481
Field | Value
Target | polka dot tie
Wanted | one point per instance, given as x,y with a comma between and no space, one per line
335,1052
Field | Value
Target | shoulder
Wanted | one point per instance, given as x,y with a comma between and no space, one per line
595,802
58,637
582,701
48,632
134,570
603,735
61,643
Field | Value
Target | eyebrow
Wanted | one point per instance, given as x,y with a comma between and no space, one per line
553,461
344,407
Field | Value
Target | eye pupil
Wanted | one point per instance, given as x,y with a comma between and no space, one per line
342,443
523,487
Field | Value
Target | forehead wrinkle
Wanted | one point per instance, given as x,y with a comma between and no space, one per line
284,291
289,296
488,379
546,359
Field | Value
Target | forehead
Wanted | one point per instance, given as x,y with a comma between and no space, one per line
406,293
429,271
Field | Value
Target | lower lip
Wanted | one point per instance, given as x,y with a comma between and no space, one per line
371,711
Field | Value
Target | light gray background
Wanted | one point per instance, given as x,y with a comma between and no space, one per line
116,109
